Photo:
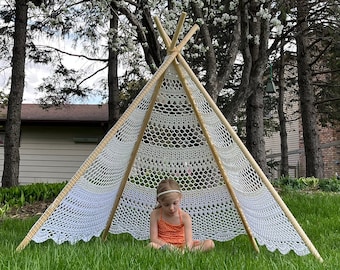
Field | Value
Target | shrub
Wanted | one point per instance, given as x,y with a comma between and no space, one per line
20,195
330,185
307,184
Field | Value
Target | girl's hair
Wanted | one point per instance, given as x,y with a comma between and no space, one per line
167,185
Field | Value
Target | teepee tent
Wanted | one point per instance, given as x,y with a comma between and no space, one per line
172,129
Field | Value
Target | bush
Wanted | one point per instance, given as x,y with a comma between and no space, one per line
330,185
307,184
20,195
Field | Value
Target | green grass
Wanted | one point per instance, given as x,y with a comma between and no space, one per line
317,213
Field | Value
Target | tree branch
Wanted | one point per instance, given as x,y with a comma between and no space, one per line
93,74
327,100
73,54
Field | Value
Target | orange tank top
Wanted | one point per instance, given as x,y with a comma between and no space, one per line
170,233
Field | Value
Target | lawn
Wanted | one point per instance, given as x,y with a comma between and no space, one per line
317,213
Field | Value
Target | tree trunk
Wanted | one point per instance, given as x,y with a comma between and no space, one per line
146,34
255,129
10,176
284,168
313,153
244,91
114,98
211,62
255,57
217,73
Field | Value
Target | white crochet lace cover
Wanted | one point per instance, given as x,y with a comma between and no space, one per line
174,145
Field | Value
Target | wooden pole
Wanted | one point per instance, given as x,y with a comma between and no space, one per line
166,40
250,158
218,161
185,40
145,122
132,158
178,30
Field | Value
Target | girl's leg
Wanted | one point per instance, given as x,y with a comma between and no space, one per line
208,245
163,247
154,245
204,245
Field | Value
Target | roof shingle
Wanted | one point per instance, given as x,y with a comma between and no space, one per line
68,113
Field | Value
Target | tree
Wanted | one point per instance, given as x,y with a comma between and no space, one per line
137,31
284,164
313,153
99,26
219,48
326,72
86,26
218,40
114,100
255,24
10,175
131,38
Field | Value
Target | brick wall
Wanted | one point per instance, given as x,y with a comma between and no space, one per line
330,144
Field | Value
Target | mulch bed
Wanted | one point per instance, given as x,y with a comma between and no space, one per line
27,211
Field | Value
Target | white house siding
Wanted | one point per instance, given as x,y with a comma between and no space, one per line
273,149
273,143
329,137
49,153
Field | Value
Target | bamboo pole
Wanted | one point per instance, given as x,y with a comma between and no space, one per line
133,156
145,121
178,30
250,158
166,40
218,161
185,40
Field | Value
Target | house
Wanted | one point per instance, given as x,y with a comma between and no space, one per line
330,147
55,142
329,136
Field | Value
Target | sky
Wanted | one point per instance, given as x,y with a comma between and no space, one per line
34,75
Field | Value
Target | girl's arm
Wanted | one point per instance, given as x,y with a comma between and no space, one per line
154,229
187,229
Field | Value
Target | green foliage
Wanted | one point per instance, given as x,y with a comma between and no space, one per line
327,82
3,99
307,184
330,185
21,195
130,88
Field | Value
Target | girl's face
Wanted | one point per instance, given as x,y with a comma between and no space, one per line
170,203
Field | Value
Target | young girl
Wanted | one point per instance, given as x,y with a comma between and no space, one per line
170,226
